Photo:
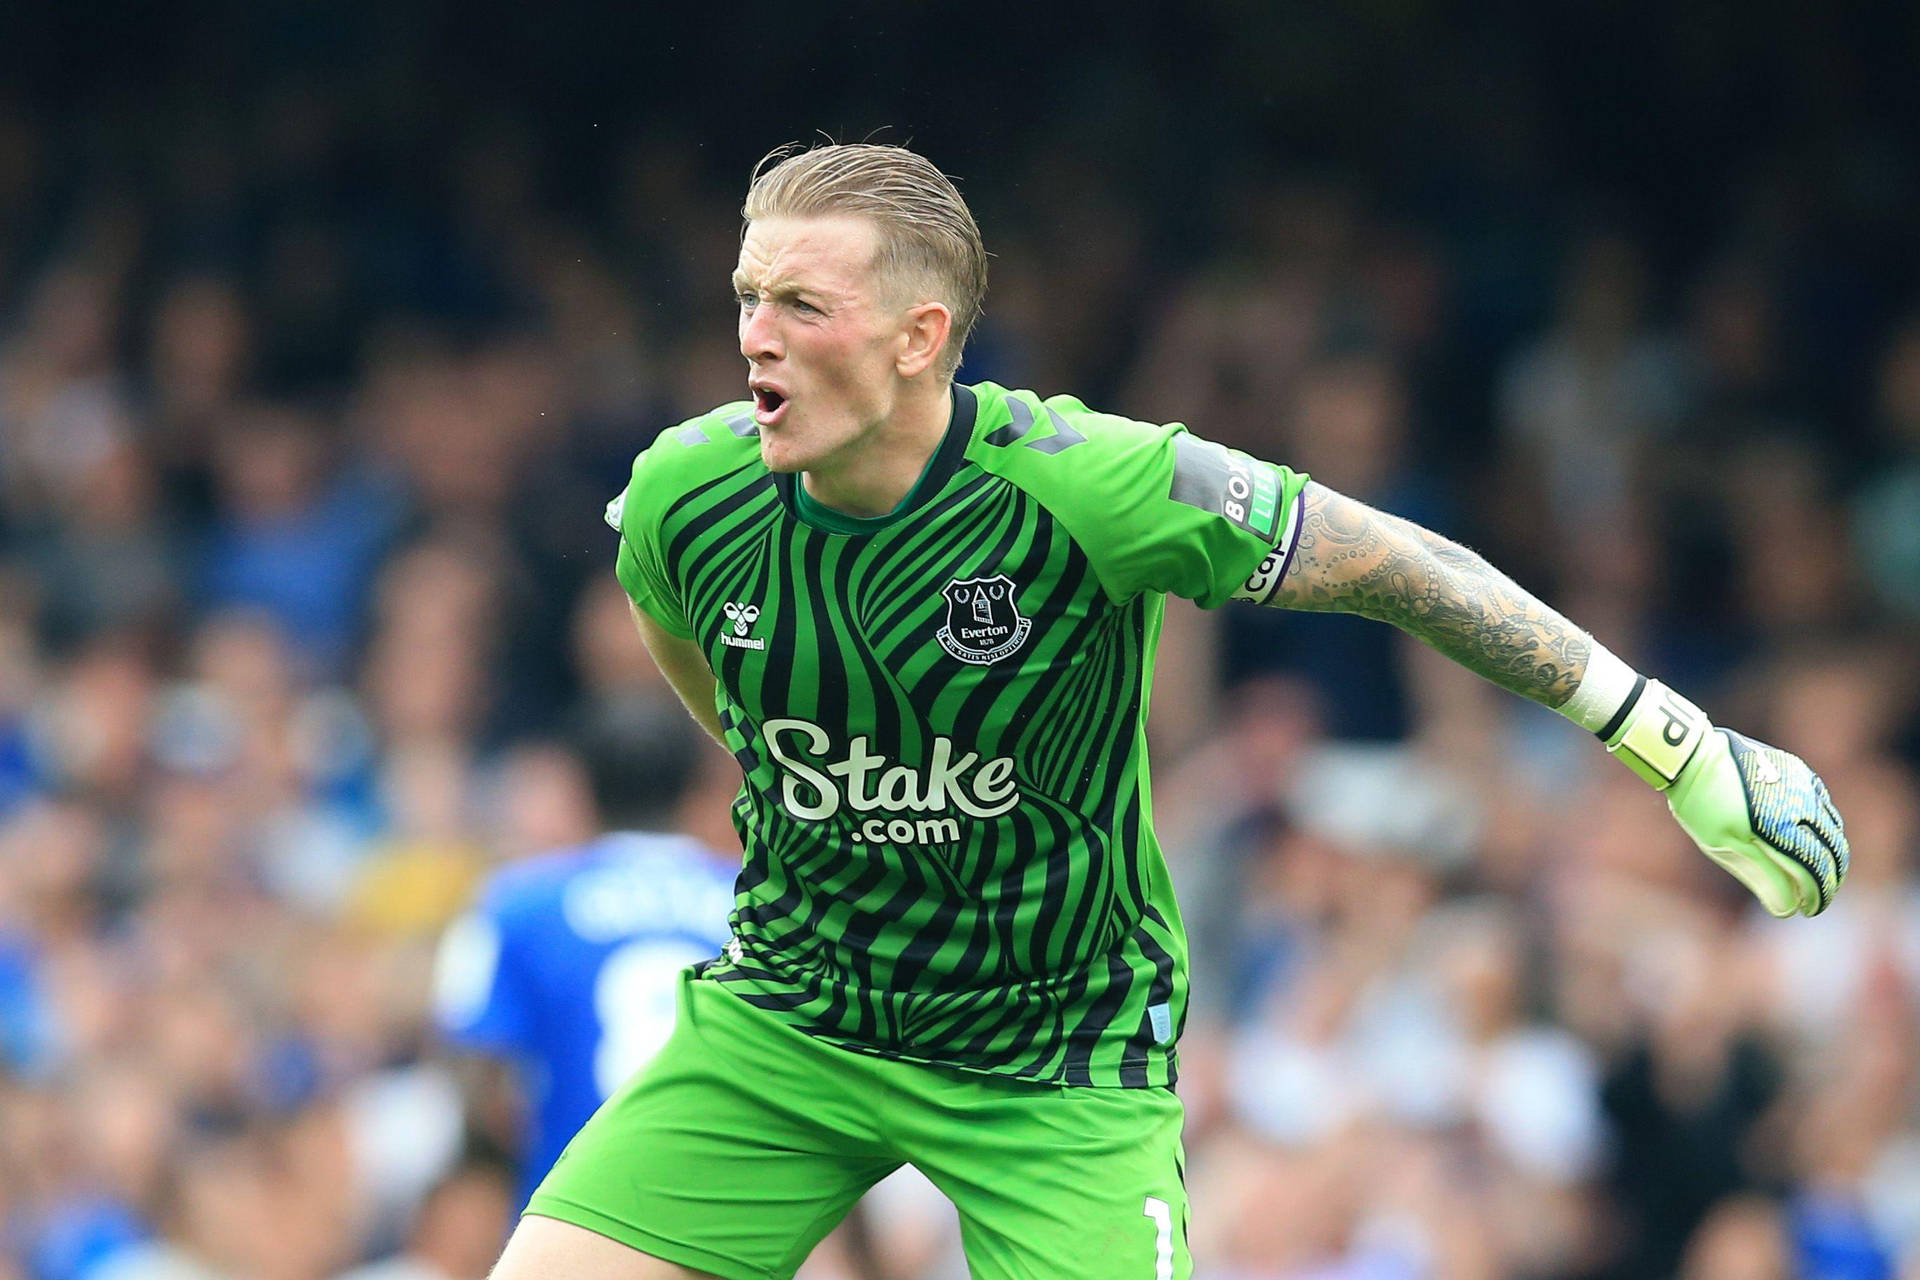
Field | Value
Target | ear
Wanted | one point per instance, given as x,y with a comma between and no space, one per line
928,326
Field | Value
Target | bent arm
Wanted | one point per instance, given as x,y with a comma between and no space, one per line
1351,558
685,666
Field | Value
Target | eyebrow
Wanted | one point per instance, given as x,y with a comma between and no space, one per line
782,289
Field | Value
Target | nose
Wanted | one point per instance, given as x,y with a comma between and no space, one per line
760,335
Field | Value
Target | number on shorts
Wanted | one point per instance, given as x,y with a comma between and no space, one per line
1162,1214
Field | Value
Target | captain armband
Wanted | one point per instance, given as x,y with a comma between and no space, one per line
1265,580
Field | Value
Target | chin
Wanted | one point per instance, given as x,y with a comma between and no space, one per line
780,456
792,447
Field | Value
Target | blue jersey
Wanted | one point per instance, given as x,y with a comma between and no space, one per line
568,967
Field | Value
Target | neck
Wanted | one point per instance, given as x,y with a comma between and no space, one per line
879,471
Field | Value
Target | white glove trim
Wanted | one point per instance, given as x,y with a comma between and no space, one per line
1602,692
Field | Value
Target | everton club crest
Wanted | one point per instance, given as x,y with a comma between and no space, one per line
982,624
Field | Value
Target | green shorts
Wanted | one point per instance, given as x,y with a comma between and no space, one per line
742,1144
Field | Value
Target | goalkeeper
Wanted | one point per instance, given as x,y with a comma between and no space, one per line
922,616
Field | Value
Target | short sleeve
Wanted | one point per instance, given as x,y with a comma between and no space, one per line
638,564
1160,509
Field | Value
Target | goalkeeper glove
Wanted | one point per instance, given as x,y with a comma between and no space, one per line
1758,811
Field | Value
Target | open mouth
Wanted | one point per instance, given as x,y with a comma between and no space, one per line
768,401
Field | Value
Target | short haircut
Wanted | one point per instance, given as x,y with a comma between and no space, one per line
927,234
640,754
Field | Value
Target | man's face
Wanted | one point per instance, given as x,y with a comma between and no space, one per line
820,334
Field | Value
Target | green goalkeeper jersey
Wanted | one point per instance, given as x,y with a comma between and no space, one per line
941,718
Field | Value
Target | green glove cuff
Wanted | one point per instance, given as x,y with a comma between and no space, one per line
1756,810
1657,734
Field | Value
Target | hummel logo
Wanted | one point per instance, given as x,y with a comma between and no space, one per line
742,616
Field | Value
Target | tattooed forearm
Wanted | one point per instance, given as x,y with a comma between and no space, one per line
1353,559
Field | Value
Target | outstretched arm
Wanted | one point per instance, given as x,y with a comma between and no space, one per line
1351,558
1756,810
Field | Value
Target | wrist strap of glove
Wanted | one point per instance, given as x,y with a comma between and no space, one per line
1656,733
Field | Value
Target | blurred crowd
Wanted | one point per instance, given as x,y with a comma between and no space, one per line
303,587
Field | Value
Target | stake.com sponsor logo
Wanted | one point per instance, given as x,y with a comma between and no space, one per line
816,786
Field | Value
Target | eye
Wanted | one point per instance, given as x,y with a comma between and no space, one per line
746,300
805,308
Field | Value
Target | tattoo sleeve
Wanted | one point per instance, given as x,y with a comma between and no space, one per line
1351,558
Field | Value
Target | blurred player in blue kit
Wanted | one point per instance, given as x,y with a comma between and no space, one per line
568,963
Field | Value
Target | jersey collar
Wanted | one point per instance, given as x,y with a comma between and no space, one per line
939,469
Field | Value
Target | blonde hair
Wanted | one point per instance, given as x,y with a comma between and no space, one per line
927,233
